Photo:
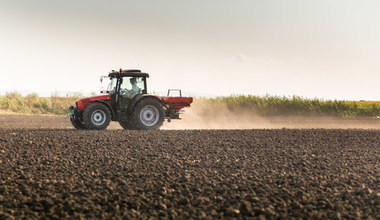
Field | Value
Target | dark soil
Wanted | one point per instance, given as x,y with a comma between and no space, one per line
56,173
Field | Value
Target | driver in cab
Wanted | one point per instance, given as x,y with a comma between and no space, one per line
135,89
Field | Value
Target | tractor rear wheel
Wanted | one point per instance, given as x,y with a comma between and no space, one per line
148,114
97,116
127,125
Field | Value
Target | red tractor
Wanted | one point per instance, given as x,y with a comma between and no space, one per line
128,103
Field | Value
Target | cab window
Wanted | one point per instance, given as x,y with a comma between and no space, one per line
131,86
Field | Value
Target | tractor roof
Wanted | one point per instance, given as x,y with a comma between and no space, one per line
133,73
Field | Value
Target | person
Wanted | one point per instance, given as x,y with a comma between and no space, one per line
135,89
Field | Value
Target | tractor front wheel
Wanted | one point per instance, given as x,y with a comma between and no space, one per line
148,114
97,116
78,125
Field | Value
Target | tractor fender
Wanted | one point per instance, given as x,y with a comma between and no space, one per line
138,98
106,104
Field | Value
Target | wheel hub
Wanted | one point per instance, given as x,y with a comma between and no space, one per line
149,115
98,117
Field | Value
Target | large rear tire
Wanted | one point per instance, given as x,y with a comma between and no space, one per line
127,125
148,114
97,116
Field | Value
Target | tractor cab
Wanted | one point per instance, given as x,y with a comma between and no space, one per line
124,86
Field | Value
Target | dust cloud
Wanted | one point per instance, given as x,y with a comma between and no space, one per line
218,116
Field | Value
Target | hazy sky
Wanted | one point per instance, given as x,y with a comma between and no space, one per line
325,49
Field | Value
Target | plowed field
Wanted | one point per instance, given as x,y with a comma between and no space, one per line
58,172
